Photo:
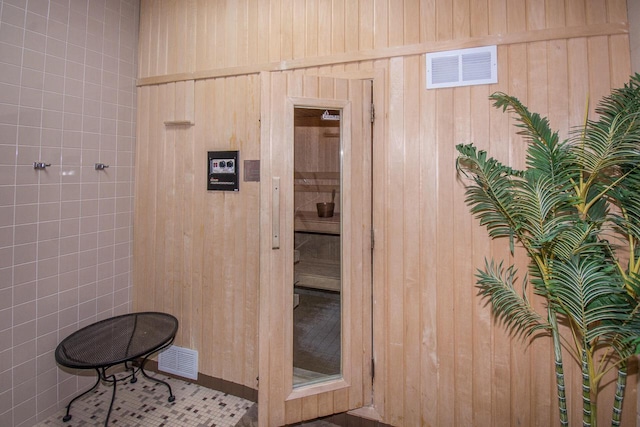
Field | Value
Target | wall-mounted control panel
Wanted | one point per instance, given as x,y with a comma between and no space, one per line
223,170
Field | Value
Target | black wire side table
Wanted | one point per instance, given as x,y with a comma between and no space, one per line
129,339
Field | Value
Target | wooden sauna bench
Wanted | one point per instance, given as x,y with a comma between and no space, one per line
311,272
310,222
318,274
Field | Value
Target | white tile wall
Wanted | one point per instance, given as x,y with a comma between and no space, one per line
67,97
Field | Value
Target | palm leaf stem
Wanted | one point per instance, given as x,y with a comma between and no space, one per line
621,384
612,366
559,367
607,355
544,274
577,339
589,406
585,190
583,138
633,266
602,368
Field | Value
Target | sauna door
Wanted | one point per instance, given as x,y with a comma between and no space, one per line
282,93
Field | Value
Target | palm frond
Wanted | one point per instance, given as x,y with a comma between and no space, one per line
625,100
545,210
508,305
490,196
625,341
589,293
545,153
625,197
576,237
607,145
606,148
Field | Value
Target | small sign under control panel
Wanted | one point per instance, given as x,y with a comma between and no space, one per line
222,170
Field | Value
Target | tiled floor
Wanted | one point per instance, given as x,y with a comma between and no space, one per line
145,403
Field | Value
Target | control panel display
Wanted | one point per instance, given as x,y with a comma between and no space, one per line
223,171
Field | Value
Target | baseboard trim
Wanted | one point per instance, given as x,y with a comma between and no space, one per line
362,417
211,382
347,419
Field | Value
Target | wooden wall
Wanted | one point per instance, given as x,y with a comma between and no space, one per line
440,358
196,252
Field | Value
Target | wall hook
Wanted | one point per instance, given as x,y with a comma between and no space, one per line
40,165
101,166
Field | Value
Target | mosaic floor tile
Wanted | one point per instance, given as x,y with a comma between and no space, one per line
145,403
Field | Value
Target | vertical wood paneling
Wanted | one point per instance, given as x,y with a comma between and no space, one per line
204,35
497,17
479,25
620,62
379,268
555,14
535,13
338,26
412,22
501,402
576,12
482,321
461,19
428,29
287,30
144,39
516,15
412,243
352,26
596,11
429,170
380,20
394,300
325,27
218,14
440,357
263,31
463,322
233,28
188,268
444,20
445,254
599,77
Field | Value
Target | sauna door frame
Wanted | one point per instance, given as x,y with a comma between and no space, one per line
280,403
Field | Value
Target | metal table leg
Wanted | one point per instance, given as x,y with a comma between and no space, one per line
144,361
67,417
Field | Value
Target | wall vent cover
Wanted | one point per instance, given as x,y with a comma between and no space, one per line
179,361
463,67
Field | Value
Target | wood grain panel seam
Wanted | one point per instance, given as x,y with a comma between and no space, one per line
547,34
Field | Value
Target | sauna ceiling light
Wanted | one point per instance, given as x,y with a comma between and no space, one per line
462,67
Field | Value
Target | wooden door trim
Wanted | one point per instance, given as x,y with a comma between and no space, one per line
283,404
346,318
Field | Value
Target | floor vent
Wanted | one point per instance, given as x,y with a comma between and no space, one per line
463,67
179,361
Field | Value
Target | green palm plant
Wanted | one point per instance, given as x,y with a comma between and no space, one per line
575,210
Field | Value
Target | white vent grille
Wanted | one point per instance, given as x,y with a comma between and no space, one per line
463,67
179,361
